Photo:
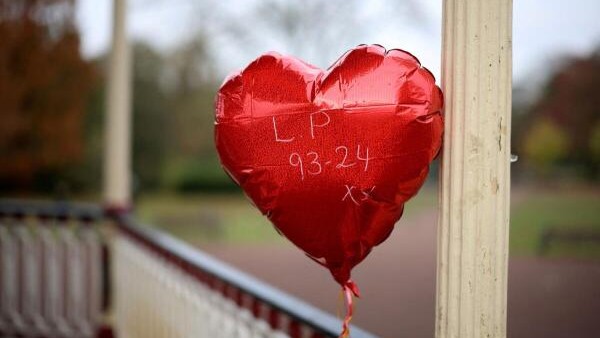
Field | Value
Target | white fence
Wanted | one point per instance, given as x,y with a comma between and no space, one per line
53,283
154,298
50,276
166,288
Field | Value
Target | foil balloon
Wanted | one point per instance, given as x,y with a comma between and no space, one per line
331,156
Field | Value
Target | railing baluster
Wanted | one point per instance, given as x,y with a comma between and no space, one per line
3,273
61,279
10,276
90,241
26,264
75,278
17,268
47,248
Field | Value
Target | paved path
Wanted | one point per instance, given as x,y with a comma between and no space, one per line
547,298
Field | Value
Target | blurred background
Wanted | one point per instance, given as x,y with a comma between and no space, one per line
53,56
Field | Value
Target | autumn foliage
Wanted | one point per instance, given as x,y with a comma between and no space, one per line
44,88
562,125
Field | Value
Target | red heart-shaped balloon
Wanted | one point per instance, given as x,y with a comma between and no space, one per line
331,156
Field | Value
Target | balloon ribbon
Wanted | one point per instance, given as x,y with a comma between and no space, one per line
350,291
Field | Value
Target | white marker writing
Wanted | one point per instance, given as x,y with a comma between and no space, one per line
313,125
367,195
349,194
297,163
277,139
315,162
343,164
366,158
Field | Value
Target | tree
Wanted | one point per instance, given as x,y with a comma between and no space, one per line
545,145
193,164
152,129
318,31
595,145
44,86
570,100
152,122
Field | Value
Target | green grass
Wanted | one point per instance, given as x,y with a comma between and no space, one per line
565,210
207,218
229,218
232,218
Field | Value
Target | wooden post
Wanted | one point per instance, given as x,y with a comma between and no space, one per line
117,162
475,175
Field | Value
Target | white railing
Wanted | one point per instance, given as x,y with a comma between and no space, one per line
154,298
166,288
53,283
50,273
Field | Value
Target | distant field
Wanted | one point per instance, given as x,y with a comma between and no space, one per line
232,219
227,218
207,218
570,211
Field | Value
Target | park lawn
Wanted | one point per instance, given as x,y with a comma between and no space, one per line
566,210
227,218
198,218
231,218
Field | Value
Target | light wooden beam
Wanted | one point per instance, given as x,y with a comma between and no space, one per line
475,171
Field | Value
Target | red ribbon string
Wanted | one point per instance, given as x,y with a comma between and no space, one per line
350,291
